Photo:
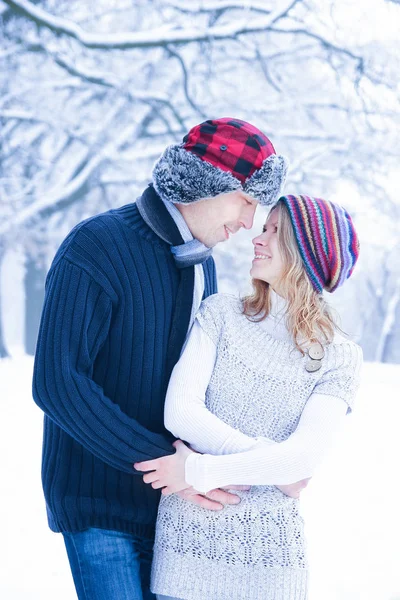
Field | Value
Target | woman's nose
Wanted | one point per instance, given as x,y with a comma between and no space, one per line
259,239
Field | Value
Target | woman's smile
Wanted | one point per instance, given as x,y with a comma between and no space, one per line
259,256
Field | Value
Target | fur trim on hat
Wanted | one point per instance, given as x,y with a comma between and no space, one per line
266,184
182,177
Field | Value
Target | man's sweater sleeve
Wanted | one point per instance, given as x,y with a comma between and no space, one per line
75,323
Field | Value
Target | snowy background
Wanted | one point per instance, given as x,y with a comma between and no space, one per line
350,506
90,94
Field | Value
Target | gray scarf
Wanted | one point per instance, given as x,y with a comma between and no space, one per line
157,217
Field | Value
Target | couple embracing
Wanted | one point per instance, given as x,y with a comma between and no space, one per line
155,386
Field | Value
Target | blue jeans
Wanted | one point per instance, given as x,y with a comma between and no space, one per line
110,565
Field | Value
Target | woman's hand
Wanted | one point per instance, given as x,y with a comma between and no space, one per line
167,472
293,489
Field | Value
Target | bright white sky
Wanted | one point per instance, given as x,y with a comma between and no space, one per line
364,20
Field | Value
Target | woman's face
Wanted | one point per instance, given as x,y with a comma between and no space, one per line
268,261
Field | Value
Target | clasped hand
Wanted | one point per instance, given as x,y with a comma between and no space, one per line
168,474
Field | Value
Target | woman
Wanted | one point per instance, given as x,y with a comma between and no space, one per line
260,391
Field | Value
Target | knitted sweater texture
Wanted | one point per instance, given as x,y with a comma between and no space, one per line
100,372
259,385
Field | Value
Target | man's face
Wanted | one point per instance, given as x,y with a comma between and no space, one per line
215,219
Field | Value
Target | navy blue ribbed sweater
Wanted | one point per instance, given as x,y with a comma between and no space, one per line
101,372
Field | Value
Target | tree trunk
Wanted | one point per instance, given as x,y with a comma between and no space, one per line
390,350
3,349
34,294
385,341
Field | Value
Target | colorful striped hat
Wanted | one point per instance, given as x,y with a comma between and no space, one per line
326,238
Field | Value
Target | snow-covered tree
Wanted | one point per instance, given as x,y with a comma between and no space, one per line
92,92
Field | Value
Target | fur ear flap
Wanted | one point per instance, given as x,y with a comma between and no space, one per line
181,177
266,184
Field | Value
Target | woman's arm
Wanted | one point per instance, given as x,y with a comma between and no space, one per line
272,464
297,457
186,414
294,459
267,464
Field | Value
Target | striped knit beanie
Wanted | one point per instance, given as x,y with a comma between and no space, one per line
326,238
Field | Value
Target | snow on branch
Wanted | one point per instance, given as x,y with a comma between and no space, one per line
22,115
153,98
146,39
219,5
58,199
309,135
25,90
185,74
105,79
326,43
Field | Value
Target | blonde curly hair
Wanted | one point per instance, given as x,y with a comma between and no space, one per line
308,317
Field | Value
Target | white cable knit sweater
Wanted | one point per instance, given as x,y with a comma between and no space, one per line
261,403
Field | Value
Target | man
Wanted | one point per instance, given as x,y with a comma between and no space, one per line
121,295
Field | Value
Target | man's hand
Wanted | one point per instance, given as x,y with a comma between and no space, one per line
293,489
168,473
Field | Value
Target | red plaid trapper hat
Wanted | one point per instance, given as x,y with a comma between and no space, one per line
230,144
220,156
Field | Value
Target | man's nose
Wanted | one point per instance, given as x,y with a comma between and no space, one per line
248,217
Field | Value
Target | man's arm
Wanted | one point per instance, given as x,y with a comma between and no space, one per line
75,322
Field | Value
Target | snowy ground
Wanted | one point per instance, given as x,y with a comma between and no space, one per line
350,507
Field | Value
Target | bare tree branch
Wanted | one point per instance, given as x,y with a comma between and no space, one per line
146,39
24,90
110,81
326,43
330,46
9,51
264,67
189,99
23,115
310,136
58,199
107,80
220,5
310,157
